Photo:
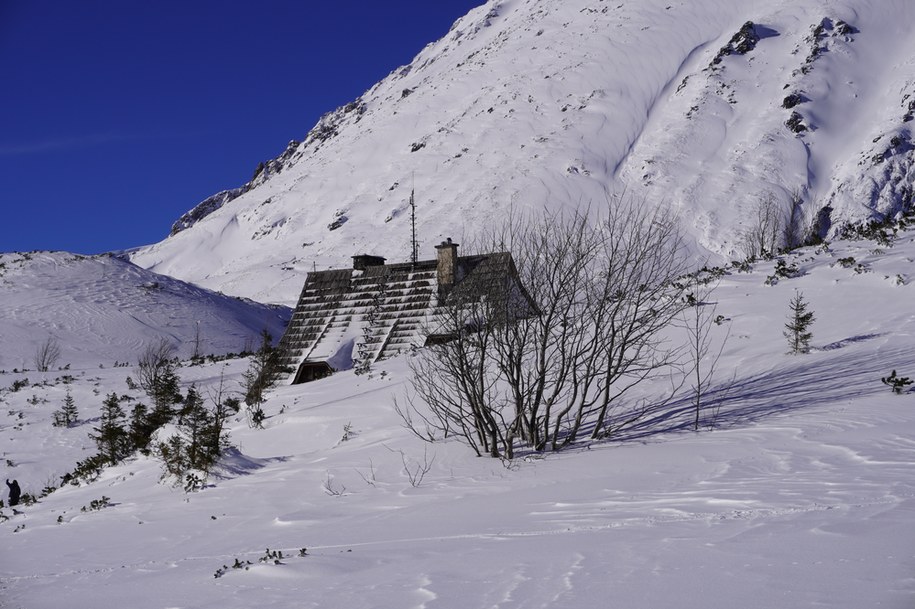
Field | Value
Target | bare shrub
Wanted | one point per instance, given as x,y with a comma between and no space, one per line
47,354
154,359
157,377
698,321
766,228
553,360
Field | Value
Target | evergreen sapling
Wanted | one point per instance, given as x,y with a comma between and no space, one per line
111,436
68,413
797,330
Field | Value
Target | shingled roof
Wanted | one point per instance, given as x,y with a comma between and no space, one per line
374,310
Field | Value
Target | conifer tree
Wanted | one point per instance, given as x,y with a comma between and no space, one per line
797,330
260,376
174,456
195,421
201,436
156,375
140,430
111,436
68,413
215,437
165,394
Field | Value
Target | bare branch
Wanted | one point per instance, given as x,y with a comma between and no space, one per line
330,488
47,354
598,301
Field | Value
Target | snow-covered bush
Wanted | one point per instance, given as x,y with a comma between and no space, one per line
896,383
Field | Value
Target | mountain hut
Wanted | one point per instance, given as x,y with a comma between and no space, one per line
345,317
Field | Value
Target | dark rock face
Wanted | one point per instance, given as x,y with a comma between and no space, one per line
821,225
796,123
740,43
205,208
792,100
910,110
845,29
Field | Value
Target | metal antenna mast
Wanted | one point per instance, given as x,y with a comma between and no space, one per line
413,222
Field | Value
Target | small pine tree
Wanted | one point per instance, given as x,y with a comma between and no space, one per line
111,436
200,440
174,456
164,393
215,438
68,413
797,330
140,430
195,420
259,377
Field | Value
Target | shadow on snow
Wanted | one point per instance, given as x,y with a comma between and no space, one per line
807,382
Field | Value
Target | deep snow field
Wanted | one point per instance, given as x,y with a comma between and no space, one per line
103,309
798,490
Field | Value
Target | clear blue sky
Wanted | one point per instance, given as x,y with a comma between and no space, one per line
117,116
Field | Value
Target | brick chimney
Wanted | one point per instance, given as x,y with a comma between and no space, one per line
447,265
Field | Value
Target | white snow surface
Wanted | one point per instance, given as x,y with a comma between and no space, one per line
103,310
532,104
797,491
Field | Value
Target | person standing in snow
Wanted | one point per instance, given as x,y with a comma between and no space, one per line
15,491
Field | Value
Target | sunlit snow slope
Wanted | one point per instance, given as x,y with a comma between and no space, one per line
797,491
534,103
103,309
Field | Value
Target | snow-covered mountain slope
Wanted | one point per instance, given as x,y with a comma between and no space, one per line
534,103
797,492
102,309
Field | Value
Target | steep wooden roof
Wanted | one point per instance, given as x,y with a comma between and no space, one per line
348,314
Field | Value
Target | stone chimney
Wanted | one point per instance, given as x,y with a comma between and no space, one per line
447,265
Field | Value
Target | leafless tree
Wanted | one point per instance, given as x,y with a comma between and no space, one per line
699,319
544,365
766,228
541,355
155,358
457,378
157,376
47,354
223,408
196,355
262,373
